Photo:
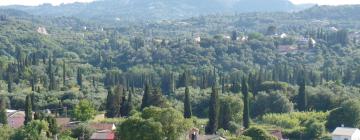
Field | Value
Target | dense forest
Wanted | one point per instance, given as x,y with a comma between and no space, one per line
238,76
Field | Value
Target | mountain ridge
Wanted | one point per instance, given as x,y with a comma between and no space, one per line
110,10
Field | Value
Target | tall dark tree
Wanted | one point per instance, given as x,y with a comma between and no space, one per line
146,96
246,114
79,78
51,75
9,83
3,116
302,97
109,104
187,104
225,117
53,127
28,110
212,125
64,73
129,103
114,101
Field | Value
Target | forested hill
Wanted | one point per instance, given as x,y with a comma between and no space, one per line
157,9
349,12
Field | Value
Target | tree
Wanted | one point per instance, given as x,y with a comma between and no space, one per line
53,127
246,114
64,73
84,111
212,125
172,121
52,80
79,78
114,101
258,134
3,116
348,114
6,132
302,96
187,104
136,128
109,104
234,36
82,132
28,110
273,102
34,130
226,116
146,96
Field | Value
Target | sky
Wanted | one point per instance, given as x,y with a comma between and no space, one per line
57,2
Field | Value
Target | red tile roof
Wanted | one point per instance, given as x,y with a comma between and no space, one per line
103,135
102,126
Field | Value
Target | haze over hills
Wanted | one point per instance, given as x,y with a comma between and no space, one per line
157,9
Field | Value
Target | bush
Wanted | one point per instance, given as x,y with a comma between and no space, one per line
258,134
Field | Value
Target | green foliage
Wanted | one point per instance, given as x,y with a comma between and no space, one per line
187,104
82,131
246,114
28,110
3,115
347,114
258,134
138,128
173,123
84,110
6,132
34,130
214,107
273,102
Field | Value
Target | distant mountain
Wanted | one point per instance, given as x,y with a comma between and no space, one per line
111,10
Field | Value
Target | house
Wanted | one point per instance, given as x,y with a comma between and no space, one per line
42,30
104,131
103,135
344,133
15,118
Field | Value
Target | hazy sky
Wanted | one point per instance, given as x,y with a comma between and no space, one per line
57,2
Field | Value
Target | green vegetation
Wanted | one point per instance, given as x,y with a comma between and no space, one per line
240,76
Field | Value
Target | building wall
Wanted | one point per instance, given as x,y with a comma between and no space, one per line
341,138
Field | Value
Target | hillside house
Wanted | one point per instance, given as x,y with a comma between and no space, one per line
344,133
15,118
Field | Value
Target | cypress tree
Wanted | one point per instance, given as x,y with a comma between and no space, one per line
109,104
3,116
79,78
53,127
123,107
9,83
246,114
187,104
28,110
64,73
225,118
212,126
129,104
51,75
302,97
146,96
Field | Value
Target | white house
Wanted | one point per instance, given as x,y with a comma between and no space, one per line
344,133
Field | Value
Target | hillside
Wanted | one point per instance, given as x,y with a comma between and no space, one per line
111,10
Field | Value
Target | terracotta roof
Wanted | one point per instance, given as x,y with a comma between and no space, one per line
16,118
62,121
103,135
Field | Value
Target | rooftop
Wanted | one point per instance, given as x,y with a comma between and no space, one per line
344,131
